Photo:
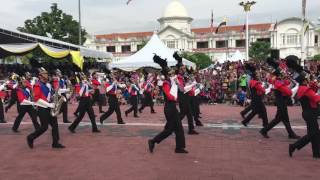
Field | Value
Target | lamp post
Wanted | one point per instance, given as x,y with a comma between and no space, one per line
80,40
247,7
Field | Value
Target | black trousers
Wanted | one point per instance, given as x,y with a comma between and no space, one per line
85,106
1,111
260,109
45,120
173,125
281,115
96,98
134,105
113,107
185,110
13,99
247,109
195,107
147,101
22,111
64,110
313,133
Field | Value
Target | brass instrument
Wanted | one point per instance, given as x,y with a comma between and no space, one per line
58,100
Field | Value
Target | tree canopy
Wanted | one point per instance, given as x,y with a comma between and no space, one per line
200,59
260,50
55,24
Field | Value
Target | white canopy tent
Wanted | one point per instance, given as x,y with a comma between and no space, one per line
144,57
233,58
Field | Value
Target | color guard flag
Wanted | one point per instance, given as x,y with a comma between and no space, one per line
128,2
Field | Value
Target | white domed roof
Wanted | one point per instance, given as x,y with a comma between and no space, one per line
175,9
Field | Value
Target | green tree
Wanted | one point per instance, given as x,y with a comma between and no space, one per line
200,59
55,24
317,57
260,50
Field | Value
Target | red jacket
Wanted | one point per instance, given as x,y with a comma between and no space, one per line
23,94
166,89
257,85
95,83
314,99
282,86
41,91
112,91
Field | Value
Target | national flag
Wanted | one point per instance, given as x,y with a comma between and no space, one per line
275,27
244,27
304,6
128,2
306,26
223,23
211,19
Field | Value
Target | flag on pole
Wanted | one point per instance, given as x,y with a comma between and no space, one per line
128,2
211,19
306,26
223,23
304,6
243,28
275,27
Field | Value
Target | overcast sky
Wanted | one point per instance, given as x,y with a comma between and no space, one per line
107,16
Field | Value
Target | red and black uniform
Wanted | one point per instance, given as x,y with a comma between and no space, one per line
258,107
184,103
96,96
309,102
195,106
60,83
85,106
134,94
24,93
44,92
148,99
113,103
173,120
2,97
13,95
282,94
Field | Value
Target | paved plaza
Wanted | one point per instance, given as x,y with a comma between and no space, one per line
224,150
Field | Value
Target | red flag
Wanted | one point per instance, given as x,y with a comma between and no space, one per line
128,2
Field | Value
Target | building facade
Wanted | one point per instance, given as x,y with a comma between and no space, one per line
177,33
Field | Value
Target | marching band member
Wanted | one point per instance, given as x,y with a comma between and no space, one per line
173,123
111,89
194,101
282,94
134,94
96,96
25,104
257,93
309,102
12,84
148,87
2,97
43,99
184,99
85,106
60,86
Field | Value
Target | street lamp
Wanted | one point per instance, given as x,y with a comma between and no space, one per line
80,40
247,7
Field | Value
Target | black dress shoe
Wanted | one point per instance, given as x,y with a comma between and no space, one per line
291,149
153,112
102,112
71,130
67,122
101,121
316,156
136,116
3,121
58,146
181,151
264,133
151,145
199,123
126,114
244,123
96,131
15,130
75,114
242,115
140,111
121,122
30,142
294,136
193,132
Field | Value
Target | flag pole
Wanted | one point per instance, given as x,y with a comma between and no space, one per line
80,39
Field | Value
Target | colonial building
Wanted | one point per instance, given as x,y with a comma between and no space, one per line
177,33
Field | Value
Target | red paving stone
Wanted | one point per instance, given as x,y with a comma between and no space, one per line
120,152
